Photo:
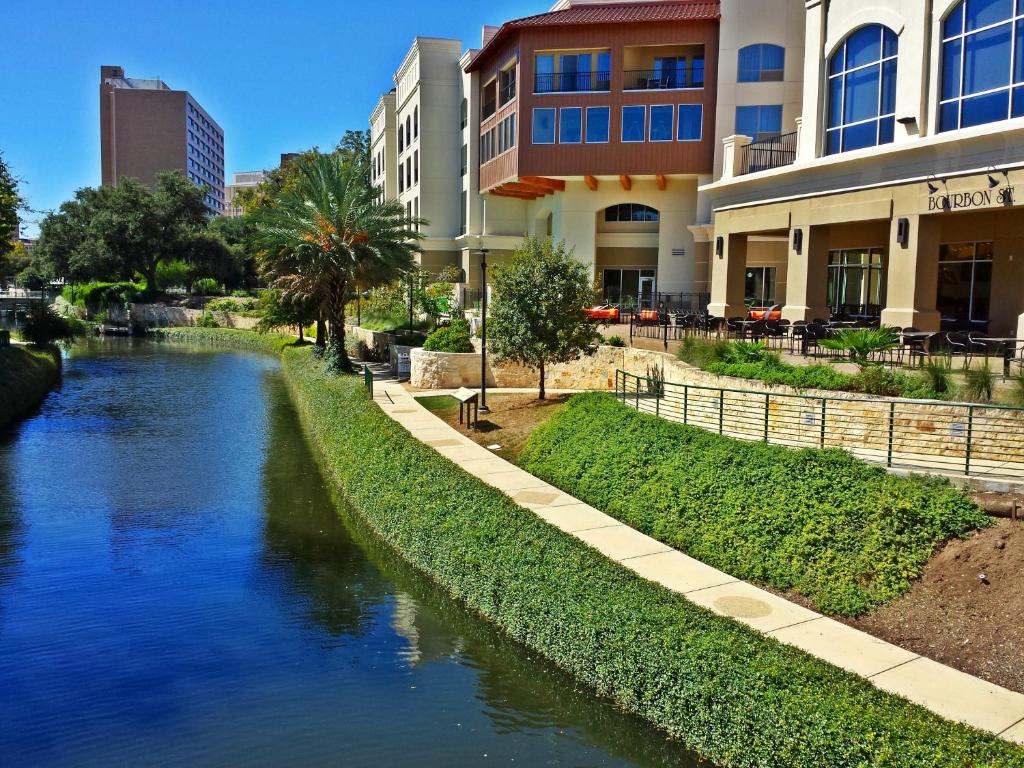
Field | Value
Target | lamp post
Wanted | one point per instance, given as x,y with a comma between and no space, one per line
410,302
483,330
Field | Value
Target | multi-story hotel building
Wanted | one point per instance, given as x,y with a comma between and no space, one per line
897,192
146,127
240,181
384,146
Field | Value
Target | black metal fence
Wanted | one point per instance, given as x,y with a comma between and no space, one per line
775,152
917,435
568,82
690,303
656,80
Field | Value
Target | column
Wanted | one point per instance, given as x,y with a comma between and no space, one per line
728,277
807,276
579,230
912,275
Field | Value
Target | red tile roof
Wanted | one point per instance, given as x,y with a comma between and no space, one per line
610,13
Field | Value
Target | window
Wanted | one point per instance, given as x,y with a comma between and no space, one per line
760,286
508,85
408,172
691,122
598,119
761,122
855,282
408,130
761,63
570,125
630,212
401,139
982,64
465,159
544,67
634,127
465,113
622,286
574,72
416,166
965,283
463,213
661,122
544,126
511,130
862,91
489,99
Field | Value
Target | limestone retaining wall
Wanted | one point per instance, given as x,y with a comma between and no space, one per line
163,316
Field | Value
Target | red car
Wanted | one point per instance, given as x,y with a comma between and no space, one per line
606,313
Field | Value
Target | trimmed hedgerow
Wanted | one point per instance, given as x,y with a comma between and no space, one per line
26,377
841,532
273,343
723,690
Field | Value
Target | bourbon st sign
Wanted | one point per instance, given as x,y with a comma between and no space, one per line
960,201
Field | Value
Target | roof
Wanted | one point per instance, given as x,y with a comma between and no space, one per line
606,13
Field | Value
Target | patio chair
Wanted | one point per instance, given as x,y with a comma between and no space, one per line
813,333
959,345
734,327
775,331
911,346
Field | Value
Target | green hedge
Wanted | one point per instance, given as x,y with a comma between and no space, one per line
97,297
273,343
26,377
450,338
724,691
843,533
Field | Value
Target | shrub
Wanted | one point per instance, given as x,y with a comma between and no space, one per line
724,691
979,383
938,375
207,320
98,297
450,338
206,286
44,327
749,352
615,341
228,338
701,352
1017,389
844,534
861,343
172,274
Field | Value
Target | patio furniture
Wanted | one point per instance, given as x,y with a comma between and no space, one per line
813,334
915,344
776,331
959,345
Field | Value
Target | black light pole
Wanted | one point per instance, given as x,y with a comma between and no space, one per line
483,331
410,303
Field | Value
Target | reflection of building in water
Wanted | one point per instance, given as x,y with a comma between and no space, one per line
428,640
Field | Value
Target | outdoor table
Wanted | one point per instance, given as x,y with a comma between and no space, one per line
1002,347
744,325
469,403
924,337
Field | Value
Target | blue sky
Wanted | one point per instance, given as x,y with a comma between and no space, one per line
277,76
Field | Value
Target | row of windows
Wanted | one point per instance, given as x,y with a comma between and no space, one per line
662,126
411,129
201,119
412,172
496,141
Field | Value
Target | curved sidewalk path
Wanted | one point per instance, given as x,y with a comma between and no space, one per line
948,692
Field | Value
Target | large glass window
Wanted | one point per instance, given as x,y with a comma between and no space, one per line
862,91
622,286
598,119
661,122
855,282
626,212
759,122
544,126
965,284
634,121
761,63
982,63
760,286
691,122
570,125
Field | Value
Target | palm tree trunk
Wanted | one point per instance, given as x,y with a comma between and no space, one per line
337,357
321,331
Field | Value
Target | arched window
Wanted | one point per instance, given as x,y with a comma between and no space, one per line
408,130
862,90
982,62
761,63
630,212
415,122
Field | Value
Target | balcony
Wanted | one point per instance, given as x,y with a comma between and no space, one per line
766,154
662,79
573,82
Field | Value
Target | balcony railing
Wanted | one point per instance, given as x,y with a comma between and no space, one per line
508,93
570,82
657,80
775,152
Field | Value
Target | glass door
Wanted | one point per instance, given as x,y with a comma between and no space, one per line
646,293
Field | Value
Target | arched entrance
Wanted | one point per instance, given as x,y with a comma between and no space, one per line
626,264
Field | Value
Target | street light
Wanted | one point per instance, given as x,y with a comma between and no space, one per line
483,330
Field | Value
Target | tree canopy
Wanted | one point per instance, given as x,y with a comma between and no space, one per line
538,318
10,202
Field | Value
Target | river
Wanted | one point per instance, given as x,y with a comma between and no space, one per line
178,588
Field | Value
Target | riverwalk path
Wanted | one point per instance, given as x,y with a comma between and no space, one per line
948,692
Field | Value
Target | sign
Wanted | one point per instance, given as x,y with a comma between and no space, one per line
984,198
464,395
404,365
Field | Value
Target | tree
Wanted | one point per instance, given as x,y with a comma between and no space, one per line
538,316
10,202
318,236
276,312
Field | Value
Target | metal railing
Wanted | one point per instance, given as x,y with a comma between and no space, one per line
693,303
775,152
568,82
469,298
918,435
657,80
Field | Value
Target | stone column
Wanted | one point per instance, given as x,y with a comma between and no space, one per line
912,275
732,155
728,277
807,276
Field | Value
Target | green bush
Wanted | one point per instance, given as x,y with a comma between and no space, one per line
450,338
44,327
702,352
724,691
207,320
96,298
206,286
172,274
615,341
844,534
749,352
980,383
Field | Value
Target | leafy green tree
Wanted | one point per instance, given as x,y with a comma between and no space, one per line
277,312
538,316
323,232
10,202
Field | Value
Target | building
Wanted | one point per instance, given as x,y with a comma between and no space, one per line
241,181
146,128
896,193
384,146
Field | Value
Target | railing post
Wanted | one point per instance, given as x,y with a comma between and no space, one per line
970,437
686,404
632,318
767,404
666,334
368,379
892,429
638,393
657,398
721,411
823,402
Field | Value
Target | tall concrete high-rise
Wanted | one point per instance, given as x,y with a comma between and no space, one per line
146,128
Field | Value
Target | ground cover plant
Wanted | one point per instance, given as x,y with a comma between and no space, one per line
846,535
26,376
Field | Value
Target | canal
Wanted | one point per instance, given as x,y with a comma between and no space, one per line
178,588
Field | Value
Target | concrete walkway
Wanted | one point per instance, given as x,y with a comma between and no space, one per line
952,694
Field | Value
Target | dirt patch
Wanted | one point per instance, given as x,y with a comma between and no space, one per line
967,609
509,424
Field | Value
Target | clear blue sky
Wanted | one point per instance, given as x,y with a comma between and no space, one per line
278,77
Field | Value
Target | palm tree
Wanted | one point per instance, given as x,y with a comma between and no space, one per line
328,232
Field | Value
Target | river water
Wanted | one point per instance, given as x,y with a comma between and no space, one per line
178,588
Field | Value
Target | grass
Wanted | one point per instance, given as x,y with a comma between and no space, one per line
385,323
844,534
273,343
26,376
